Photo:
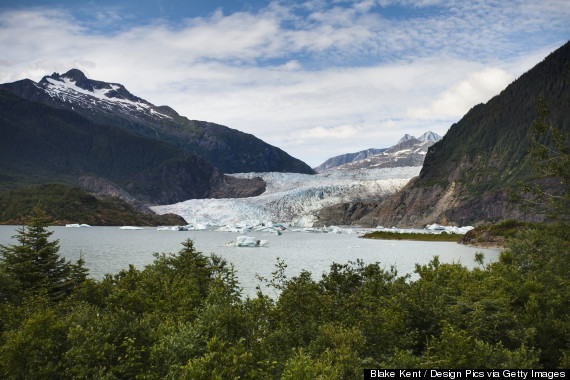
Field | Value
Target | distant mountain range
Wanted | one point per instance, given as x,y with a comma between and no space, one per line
112,104
409,151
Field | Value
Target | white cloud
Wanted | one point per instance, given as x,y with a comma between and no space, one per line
317,82
460,97
339,132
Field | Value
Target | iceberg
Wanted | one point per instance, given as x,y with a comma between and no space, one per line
272,230
130,228
75,225
247,241
436,228
188,227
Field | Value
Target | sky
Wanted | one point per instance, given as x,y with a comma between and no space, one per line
316,78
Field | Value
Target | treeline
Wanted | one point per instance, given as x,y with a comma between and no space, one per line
184,315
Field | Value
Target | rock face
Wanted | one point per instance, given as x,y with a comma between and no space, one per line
102,188
416,206
231,187
112,104
344,214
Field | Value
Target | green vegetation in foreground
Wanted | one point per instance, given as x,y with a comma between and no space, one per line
388,235
184,317
65,204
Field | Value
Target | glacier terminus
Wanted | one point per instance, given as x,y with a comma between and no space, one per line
293,198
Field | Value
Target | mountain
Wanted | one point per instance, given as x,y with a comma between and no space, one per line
346,158
40,144
430,136
112,104
466,175
409,151
406,137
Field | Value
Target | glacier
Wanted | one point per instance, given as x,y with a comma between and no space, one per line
293,198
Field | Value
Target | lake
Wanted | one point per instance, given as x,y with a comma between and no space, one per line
110,249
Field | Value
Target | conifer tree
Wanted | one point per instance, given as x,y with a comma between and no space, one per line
35,262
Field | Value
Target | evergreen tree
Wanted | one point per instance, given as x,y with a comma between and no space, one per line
35,263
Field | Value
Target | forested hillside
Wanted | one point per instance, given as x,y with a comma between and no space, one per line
41,144
467,175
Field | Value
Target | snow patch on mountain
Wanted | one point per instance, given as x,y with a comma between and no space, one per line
100,94
294,198
386,157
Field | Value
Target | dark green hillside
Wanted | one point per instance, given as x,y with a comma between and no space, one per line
42,144
487,149
64,204
233,151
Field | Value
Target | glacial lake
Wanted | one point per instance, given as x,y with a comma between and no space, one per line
110,249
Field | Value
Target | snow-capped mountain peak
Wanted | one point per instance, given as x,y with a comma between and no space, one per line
409,151
406,137
427,136
430,136
75,88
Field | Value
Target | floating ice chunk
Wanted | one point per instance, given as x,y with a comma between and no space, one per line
232,228
75,225
130,228
247,241
269,229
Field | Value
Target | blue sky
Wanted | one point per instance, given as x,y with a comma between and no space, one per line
316,78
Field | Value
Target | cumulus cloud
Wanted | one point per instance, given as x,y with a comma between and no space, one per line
340,132
316,78
460,97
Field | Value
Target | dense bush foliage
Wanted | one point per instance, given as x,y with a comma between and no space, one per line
184,316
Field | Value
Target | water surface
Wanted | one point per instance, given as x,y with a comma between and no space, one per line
110,249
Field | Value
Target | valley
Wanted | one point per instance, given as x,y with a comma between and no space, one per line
71,130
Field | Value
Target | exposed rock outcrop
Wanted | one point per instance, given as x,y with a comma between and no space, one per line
344,214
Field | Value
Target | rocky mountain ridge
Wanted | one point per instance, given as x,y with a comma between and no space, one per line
347,158
409,151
